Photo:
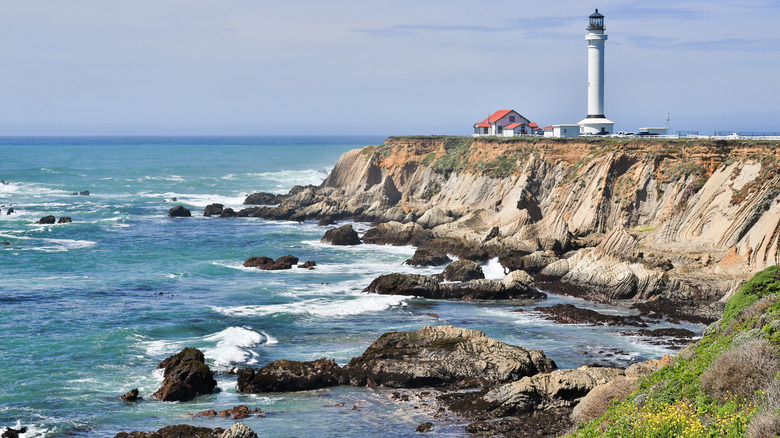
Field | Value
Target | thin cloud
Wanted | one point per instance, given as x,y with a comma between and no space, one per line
721,45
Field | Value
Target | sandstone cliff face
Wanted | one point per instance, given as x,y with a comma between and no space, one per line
709,208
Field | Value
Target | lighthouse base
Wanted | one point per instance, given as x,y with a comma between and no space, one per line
596,126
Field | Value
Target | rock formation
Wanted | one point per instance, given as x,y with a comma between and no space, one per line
269,264
290,375
179,211
701,215
443,355
516,285
343,235
185,376
238,430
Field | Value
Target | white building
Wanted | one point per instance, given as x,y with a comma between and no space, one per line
565,131
596,122
505,123
652,131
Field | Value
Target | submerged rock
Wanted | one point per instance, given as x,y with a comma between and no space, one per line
440,356
179,211
13,433
571,314
65,220
186,376
290,375
343,235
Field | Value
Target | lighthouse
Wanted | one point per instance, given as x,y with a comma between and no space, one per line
596,122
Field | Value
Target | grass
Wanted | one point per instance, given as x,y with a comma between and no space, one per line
700,394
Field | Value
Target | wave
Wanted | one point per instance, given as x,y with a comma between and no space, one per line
293,177
493,270
321,307
233,345
51,245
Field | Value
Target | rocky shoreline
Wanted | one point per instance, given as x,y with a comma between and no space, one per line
675,229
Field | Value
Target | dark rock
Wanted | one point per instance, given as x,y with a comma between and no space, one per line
571,314
177,431
290,375
271,213
671,332
84,193
546,423
10,210
405,284
206,413
269,264
428,257
65,220
174,199
326,220
432,315
131,395
516,285
343,235
463,270
186,376
442,356
228,212
179,211
309,264
263,198
690,311
47,220
237,413
397,234
213,210
531,263
13,433
491,235
457,247
425,427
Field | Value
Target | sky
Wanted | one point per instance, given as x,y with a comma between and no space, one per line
257,67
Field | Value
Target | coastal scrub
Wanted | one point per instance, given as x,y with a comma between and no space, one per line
691,397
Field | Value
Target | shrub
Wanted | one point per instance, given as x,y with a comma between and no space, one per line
765,283
766,422
742,371
597,401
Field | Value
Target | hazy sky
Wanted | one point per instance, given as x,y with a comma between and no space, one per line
379,67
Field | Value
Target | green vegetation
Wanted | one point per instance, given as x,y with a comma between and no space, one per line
455,156
428,159
725,385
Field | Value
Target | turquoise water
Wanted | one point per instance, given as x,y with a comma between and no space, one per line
88,309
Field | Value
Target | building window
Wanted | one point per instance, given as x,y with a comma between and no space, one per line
511,119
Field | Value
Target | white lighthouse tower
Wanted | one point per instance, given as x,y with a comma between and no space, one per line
596,123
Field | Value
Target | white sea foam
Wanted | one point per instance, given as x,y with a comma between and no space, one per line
493,270
321,307
233,345
293,177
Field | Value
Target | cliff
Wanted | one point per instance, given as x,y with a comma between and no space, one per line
627,218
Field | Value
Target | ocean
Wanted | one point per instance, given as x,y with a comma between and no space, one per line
88,309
